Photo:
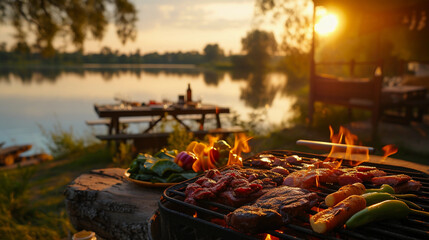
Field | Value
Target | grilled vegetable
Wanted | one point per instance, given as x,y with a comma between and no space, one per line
344,192
332,217
376,197
389,209
384,188
223,149
185,160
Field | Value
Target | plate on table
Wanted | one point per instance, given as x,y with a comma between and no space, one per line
145,183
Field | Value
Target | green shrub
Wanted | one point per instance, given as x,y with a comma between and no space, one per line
61,142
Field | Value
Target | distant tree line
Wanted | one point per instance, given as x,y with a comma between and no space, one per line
258,49
211,53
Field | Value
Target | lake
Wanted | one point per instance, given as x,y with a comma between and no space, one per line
35,98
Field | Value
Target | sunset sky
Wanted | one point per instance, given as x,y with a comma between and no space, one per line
173,25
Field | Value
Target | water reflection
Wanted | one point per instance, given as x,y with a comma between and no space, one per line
108,72
260,90
31,96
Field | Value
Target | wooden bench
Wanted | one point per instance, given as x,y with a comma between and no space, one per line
106,121
153,140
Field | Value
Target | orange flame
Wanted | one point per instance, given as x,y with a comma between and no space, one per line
240,145
389,150
344,136
195,215
205,159
268,237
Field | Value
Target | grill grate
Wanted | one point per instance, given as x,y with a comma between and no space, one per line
178,220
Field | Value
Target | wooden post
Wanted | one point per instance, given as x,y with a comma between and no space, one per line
312,70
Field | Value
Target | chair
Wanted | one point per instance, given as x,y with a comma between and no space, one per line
363,93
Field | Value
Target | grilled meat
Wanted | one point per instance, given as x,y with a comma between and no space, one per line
308,178
392,180
268,160
342,176
283,171
410,186
233,187
254,219
275,207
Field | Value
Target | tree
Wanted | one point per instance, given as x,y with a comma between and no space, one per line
297,20
72,20
402,24
259,46
213,52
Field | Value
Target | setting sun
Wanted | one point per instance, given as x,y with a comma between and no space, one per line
326,24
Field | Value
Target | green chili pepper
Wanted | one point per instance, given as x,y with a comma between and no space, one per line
384,188
389,209
372,198
376,197
405,195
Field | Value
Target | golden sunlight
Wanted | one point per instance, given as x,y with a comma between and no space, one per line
326,23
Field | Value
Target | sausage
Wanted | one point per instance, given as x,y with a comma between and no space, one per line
332,217
343,192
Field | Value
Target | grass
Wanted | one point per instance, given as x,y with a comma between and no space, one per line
32,203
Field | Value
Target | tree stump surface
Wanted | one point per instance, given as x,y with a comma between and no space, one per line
104,201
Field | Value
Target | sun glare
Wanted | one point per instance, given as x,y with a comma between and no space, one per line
327,23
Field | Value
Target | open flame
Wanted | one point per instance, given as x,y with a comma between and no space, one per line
205,153
205,159
268,237
344,136
389,150
240,145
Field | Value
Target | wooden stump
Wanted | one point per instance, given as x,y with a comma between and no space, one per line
103,201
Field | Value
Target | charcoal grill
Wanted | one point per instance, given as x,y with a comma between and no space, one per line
180,220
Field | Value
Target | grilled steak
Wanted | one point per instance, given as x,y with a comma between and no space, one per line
275,207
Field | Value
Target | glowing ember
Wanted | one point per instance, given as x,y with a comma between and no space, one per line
240,145
195,215
389,150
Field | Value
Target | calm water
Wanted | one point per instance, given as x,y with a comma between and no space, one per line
32,98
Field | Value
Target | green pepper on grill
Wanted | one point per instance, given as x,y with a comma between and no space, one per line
376,197
389,209
384,188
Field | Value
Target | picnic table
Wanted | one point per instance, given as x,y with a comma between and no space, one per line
409,102
115,114
160,112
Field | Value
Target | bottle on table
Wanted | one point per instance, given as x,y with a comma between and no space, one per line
189,93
